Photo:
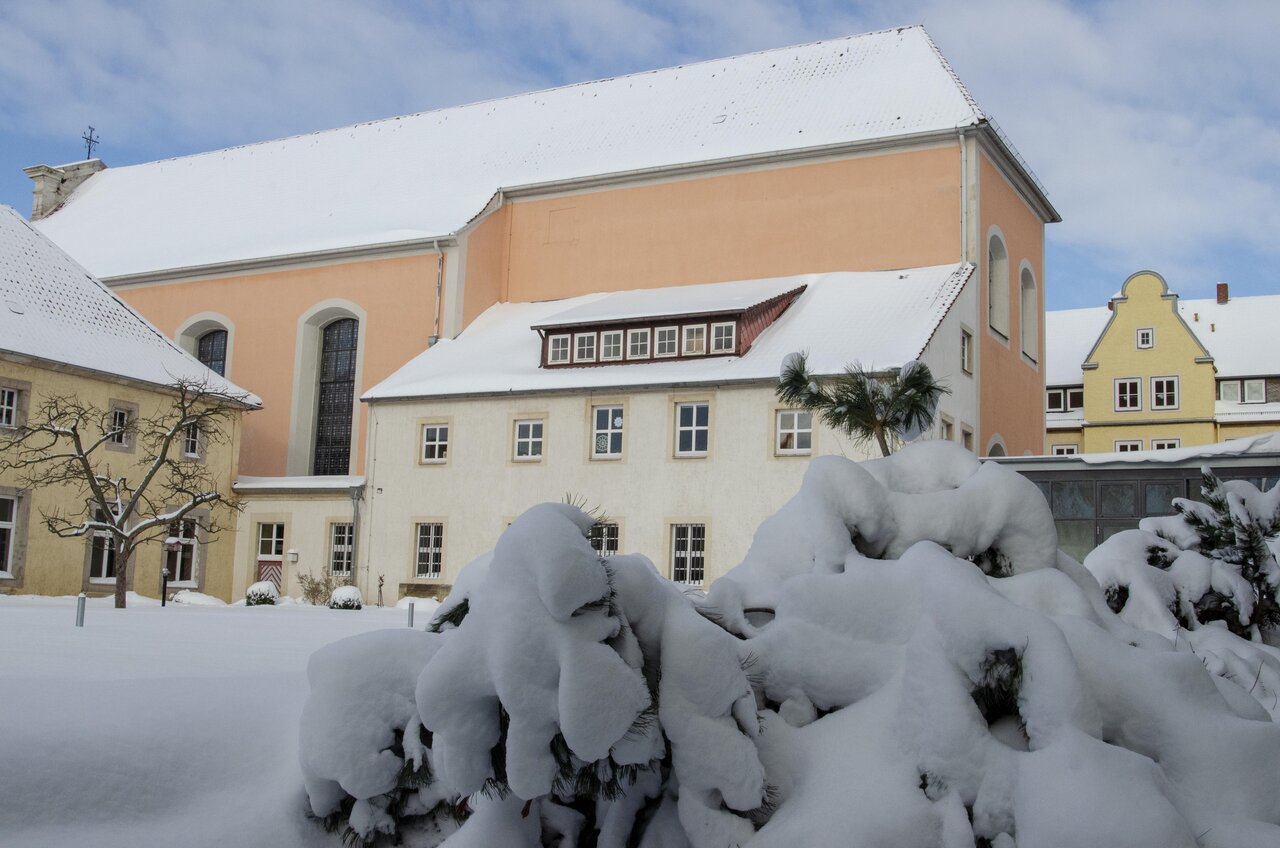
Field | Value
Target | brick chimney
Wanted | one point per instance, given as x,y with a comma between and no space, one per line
1222,293
53,185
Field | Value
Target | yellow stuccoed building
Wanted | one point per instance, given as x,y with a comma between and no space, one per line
1152,372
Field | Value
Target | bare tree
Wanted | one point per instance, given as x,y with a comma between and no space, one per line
133,498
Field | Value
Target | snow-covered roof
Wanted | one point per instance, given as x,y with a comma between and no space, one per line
1071,420
659,303
1238,334
339,483
428,174
881,318
54,310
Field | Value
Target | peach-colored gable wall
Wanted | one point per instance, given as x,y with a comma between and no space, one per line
398,295
871,212
486,264
1012,389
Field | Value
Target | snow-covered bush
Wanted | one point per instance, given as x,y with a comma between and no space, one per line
903,658
261,594
317,589
346,597
191,598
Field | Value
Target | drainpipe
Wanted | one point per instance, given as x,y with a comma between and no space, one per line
356,494
435,333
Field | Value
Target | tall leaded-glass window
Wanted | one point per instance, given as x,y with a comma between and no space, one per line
335,396
211,349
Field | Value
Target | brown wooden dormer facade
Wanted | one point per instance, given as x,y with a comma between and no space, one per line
694,335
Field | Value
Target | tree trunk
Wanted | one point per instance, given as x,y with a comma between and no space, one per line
122,573
884,443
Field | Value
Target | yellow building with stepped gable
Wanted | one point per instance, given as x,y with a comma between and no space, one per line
1151,371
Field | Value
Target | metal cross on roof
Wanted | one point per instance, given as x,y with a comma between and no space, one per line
89,143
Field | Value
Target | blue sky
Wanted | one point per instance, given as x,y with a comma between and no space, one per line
1155,125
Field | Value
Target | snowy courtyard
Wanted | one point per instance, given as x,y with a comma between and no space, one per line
158,726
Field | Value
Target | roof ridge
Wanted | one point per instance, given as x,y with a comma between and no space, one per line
566,86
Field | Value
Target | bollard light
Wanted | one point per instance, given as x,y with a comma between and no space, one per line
80,610
164,584
411,613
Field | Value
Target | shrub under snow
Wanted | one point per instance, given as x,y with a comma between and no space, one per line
261,594
903,658
346,597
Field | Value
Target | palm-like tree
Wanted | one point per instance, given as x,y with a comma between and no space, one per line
865,405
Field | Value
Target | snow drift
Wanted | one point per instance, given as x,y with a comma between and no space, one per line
902,658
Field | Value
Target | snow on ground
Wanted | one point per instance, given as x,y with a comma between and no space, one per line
158,726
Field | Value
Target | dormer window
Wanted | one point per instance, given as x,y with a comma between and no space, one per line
723,336
667,339
584,347
638,344
695,339
558,350
610,345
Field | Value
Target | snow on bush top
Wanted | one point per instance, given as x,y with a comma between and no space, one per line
902,658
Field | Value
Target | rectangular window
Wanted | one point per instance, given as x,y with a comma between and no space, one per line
638,344
688,550
584,347
180,551
966,351
692,426
1255,391
119,427
340,548
695,340
1229,390
1164,392
795,432
1065,450
946,430
271,541
1146,338
1165,444
430,549
435,443
1128,445
1075,399
724,337
1056,400
604,538
528,446
606,432
666,341
966,438
8,533
1128,394
102,552
8,407
557,350
191,441
610,345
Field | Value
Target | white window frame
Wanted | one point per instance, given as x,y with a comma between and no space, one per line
780,430
690,333
428,545
341,549
1071,407
1127,445
615,425
439,444
1062,400
685,562
659,342
579,355
604,537
966,351
11,527
1136,382
1155,393
555,357
8,407
1149,342
717,338
119,426
1239,392
191,441
946,429
632,337
1246,385
531,442
1065,450
189,547
693,429
267,534
607,335
107,556
1165,444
